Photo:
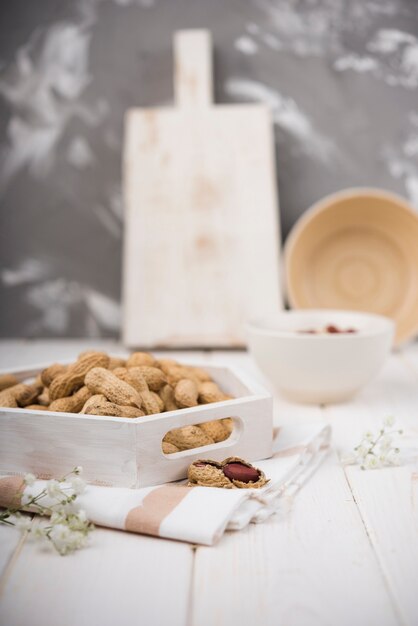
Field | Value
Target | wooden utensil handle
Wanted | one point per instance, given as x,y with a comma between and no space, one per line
193,81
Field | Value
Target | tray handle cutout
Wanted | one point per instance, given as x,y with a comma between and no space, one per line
230,440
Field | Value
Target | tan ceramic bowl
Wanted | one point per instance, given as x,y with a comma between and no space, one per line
357,250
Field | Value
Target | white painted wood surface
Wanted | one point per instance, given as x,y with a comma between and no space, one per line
316,567
388,504
201,251
346,552
121,580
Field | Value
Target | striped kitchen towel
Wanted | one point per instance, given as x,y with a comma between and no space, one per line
199,515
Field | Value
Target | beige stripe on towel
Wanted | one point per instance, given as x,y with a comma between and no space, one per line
154,509
11,489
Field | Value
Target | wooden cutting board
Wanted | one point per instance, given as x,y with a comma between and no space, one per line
201,249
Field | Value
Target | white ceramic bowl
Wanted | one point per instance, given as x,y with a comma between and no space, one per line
321,368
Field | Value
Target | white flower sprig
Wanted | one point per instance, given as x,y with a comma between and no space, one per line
377,450
68,528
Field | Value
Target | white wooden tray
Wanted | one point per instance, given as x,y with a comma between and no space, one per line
127,452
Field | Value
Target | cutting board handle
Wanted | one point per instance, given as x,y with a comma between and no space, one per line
193,79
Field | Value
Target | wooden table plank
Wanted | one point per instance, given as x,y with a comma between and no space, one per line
388,503
11,541
121,579
297,571
315,567
387,498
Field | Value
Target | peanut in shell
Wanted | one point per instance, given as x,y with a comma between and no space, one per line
231,473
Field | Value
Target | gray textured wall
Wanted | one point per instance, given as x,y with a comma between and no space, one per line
340,75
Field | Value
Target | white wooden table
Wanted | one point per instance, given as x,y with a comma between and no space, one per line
347,552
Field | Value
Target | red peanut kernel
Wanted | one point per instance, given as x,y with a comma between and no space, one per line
241,472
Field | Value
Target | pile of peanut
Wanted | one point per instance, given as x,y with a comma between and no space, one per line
99,384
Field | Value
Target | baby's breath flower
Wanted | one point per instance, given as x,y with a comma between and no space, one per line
371,462
65,539
53,489
68,528
29,479
362,450
376,451
386,443
39,533
59,536
57,517
78,485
